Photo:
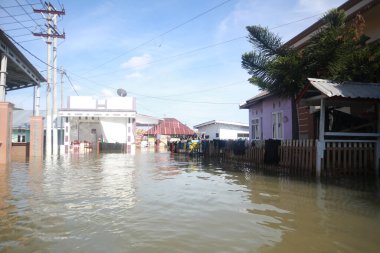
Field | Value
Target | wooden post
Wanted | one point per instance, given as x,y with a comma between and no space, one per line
321,141
377,156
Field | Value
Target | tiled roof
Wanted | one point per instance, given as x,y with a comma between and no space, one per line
170,126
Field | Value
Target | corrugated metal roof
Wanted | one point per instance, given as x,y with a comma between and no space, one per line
221,122
255,99
170,126
346,89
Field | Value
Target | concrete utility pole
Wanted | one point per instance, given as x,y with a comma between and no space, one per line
51,33
48,88
62,135
55,111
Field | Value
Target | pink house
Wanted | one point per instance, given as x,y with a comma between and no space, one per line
270,117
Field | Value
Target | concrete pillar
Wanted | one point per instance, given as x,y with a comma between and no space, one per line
321,141
6,115
36,137
3,76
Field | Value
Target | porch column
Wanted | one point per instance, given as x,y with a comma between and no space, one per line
321,141
3,76
377,155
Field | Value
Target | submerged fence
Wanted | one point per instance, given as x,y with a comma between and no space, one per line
298,156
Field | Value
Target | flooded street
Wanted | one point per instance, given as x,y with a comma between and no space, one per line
156,202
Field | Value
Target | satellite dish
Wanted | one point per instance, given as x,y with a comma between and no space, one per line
121,92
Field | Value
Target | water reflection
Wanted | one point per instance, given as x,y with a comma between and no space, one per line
159,202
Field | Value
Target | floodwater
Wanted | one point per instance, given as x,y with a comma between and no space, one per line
156,202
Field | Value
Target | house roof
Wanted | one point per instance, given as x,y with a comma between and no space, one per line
255,99
212,122
170,126
346,89
351,8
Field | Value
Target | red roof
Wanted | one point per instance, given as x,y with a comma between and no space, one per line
170,126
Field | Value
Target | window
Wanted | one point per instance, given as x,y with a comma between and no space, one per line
242,135
256,129
277,125
217,135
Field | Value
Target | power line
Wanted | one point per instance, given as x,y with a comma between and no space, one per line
19,5
28,40
14,15
15,20
29,14
72,86
20,28
22,21
162,34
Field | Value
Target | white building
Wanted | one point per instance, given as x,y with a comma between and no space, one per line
223,130
86,119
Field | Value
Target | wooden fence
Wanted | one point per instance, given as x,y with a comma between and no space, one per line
299,157
349,158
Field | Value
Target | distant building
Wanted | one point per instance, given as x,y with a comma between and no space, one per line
88,119
21,126
168,129
223,130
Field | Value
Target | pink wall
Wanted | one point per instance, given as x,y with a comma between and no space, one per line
264,110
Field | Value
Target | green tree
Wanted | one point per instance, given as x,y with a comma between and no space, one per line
338,51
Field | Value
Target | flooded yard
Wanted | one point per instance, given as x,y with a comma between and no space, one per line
157,202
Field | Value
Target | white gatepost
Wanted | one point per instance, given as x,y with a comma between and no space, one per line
66,138
321,141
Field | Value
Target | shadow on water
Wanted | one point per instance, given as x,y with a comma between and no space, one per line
359,183
327,215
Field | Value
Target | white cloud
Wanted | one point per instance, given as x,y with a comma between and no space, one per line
134,75
137,62
77,87
317,6
108,92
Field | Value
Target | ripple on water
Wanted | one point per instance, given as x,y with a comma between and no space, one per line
155,202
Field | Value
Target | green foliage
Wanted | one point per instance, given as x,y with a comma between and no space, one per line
338,51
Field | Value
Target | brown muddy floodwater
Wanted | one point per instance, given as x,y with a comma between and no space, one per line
156,202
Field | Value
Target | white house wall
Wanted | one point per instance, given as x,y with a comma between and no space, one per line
210,130
231,132
226,132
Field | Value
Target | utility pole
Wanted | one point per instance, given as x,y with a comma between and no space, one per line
62,131
52,33
55,111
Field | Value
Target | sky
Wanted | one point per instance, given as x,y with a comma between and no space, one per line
179,58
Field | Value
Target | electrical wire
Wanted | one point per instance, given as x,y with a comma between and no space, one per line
162,34
72,86
173,56
29,15
19,5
